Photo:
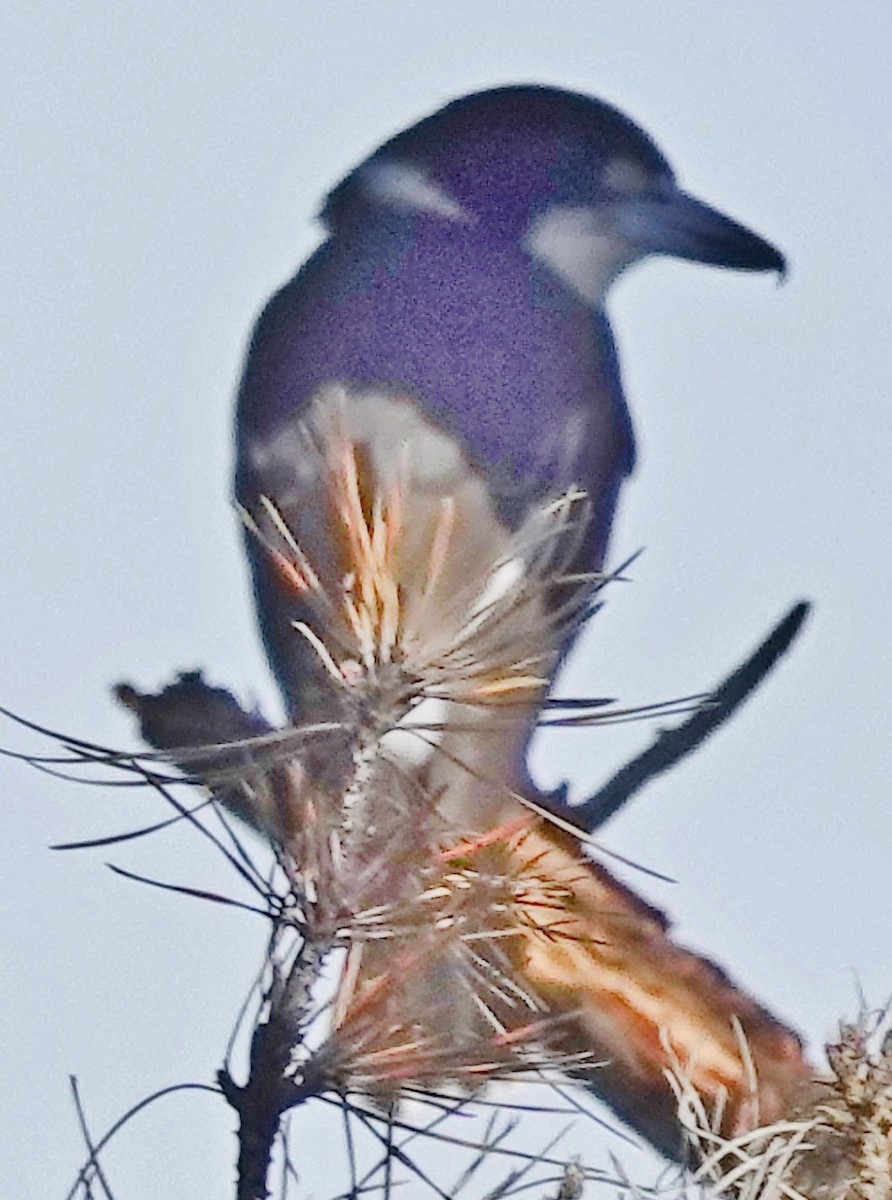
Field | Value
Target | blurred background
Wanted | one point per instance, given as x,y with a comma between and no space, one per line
163,165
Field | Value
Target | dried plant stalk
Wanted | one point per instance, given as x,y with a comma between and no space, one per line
480,938
833,1141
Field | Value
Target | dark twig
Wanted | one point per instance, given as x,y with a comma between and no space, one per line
92,1161
113,839
84,1173
269,1092
183,890
671,745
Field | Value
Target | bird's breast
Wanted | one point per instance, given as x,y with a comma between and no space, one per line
519,372
481,410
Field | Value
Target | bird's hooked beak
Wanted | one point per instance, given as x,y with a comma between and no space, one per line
675,223
588,246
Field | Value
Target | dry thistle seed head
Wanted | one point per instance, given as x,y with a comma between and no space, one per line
852,1155
516,950
432,994
417,615
535,952
597,962
833,1141
408,589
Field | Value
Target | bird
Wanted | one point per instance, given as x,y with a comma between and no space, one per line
450,339
431,438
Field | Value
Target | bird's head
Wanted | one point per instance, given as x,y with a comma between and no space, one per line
575,182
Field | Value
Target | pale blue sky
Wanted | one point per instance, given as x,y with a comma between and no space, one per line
162,165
